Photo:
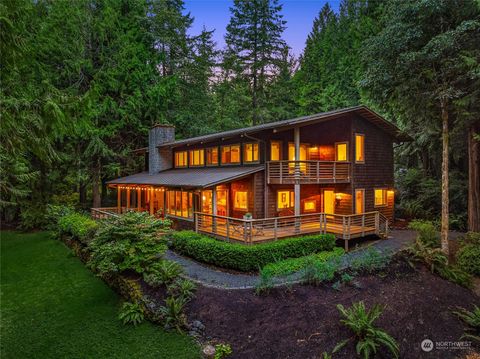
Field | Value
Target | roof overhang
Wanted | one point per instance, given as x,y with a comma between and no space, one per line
203,177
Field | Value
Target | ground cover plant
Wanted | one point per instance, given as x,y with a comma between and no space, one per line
472,322
246,258
468,256
52,306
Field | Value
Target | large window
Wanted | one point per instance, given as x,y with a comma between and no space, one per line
212,156
181,159
380,197
250,152
359,148
180,204
275,151
241,200
341,151
231,154
197,157
285,199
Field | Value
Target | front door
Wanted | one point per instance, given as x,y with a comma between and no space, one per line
359,201
329,201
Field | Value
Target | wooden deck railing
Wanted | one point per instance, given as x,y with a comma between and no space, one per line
265,229
105,212
287,172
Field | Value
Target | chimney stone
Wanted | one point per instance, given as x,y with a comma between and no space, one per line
160,159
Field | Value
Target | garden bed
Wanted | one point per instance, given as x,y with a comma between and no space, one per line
302,321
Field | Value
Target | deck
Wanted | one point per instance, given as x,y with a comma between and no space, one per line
260,230
308,172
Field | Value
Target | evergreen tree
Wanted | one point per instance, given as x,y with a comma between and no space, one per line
254,41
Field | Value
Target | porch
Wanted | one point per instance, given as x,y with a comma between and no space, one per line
251,231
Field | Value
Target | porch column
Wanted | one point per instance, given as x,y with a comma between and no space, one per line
139,199
214,209
128,198
119,199
151,198
296,139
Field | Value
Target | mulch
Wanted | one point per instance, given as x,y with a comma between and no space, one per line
302,321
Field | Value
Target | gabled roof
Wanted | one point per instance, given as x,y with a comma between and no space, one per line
363,111
192,177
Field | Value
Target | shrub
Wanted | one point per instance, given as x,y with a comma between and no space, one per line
182,288
370,261
315,272
247,257
427,233
265,283
222,351
132,241
468,256
173,313
292,265
131,313
472,320
32,217
78,225
162,272
369,338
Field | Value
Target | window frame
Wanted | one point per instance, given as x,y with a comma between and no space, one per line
192,153
385,196
186,158
346,151
363,148
291,199
280,148
235,201
218,157
231,163
244,149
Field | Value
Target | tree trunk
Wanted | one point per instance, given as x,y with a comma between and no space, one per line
473,178
96,179
444,229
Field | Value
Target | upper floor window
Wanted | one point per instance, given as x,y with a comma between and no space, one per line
212,156
231,154
181,159
341,151
250,152
380,197
197,157
359,148
275,150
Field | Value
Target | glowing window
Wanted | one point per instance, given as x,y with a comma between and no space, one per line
285,199
250,152
231,154
341,150
380,197
275,150
359,148
180,203
212,156
181,159
310,206
197,157
241,200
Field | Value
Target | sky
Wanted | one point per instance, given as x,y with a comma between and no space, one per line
299,14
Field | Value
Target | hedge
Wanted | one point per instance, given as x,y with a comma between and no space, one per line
292,265
247,258
77,225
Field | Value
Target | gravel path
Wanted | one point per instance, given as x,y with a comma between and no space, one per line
211,277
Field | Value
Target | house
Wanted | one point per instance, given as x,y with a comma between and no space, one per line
330,172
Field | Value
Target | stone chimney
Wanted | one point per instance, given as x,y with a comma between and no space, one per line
160,159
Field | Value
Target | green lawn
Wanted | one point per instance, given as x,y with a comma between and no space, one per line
53,307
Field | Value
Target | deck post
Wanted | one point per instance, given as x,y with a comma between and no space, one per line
343,227
377,223
363,225
151,194
386,229
214,209
228,230
275,228
251,232
195,216
348,226
128,198
139,200
119,200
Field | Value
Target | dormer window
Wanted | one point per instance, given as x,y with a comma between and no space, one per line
212,156
197,158
250,153
230,154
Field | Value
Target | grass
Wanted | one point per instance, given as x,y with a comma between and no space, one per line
53,307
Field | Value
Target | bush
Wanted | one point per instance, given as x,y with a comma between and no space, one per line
468,259
173,313
247,257
316,272
162,272
369,338
131,313
292,265
32,217
427,233
133,241
79,226
370,261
